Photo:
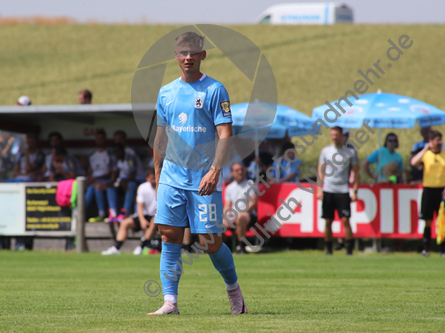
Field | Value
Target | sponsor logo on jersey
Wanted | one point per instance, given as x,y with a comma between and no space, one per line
225,109
189,128
198,103
183,118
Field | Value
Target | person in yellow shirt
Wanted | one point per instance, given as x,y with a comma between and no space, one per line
433,158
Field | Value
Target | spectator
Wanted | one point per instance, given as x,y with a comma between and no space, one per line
433,159
10,153
63,165
99,175
23,101
387,154
392,173
55,141
416,174
335,190
340,242
235,191
122,176
143,219
30,163
288,171
121,137
85,96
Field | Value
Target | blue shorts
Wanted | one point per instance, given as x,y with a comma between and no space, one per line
188,209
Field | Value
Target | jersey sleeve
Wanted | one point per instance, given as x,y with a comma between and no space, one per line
220,104
374,157
160,111
139,195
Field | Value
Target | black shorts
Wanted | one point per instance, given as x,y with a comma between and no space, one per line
137,223
336,201
253,219
431,199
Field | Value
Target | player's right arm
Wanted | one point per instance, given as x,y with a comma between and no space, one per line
159,152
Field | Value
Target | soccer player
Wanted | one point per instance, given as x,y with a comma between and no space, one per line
333,168
99,175
143,219
433,158
192,110
234,191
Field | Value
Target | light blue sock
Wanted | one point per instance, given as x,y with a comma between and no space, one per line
169,255
100,200
223,262
89,195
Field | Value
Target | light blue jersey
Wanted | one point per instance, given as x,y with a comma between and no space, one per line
190,113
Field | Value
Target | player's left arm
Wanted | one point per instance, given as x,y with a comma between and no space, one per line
210,180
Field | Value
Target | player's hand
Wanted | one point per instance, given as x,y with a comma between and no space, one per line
320,195
209,182
144,223
353,197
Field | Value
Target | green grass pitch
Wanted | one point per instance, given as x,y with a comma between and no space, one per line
288,291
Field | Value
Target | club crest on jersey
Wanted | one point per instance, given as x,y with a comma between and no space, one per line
182,118
225,109
198,102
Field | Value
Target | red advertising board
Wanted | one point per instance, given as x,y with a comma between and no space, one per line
381,211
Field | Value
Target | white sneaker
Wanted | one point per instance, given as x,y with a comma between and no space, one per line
137,251
111,250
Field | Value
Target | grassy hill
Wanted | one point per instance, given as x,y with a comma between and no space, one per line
312,64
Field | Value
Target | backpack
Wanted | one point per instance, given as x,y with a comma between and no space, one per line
64,191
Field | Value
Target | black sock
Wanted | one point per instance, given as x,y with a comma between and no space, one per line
426,238
241,244
145,243
118,244
349,246
329,247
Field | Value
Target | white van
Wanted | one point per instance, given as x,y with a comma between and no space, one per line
306,13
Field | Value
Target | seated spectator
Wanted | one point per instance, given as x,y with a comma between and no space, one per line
142,220
121,137
288,171
99,175
30,163
235,191
123,177
23,101
55,141
63,166
387,154
85,96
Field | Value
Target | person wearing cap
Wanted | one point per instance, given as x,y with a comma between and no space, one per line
23,101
